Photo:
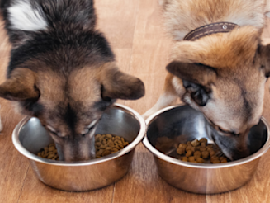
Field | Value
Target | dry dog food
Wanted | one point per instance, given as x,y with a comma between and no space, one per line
105,144
198,151
49,152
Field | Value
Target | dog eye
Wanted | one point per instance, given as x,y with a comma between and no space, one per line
51,130
228,132
224,131
198,93
89,128
200,97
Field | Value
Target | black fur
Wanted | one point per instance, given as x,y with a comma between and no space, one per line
70,40
60,14
91,47
198,92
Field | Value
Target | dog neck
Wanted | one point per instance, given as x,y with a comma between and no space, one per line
213,28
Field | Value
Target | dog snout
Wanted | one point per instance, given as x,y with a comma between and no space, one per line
240,148
239,153
234,146
76,150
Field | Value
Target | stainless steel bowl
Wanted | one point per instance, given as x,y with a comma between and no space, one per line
174,125
29,136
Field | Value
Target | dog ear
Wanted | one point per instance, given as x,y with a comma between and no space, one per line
196,79
19,20
20,86
119,85
195,73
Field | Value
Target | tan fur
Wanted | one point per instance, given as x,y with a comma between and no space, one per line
224,50
180,17
119,85
20,86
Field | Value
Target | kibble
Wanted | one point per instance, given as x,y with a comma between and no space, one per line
224,161
49,152
195,143
214,160
113,144
199,160
203,140
182,146
203,144
198,154
205,154
203,149
181,150
193,149
184,159
191,159
189,153
212,153
105,144
188,148
198,151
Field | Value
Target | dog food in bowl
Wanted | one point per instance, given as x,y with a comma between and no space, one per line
198,151
49,152
105,144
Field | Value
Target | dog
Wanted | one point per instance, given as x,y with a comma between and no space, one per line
63,71
218,65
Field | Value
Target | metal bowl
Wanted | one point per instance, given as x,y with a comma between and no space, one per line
174,125
30,136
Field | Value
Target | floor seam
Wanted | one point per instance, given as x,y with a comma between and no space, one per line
23,183
113,192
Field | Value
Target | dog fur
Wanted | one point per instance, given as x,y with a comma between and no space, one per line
222,75
62,70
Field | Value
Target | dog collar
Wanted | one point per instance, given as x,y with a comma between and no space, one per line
213,28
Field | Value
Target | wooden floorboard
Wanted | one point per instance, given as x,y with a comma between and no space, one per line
134,29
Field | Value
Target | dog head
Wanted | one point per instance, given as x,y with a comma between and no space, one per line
70,107
62,71
223,76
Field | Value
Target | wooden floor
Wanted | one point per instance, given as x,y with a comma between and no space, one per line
134,28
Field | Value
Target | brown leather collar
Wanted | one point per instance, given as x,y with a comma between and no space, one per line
210,29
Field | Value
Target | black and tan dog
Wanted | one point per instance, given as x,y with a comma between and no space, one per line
62,70
218,66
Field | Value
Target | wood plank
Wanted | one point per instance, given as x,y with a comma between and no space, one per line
135,31
117,20
150,54
35,191
12,168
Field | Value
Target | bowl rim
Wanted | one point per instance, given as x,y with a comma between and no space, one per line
171,160
16,142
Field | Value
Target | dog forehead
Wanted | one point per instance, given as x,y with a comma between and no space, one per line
73,96
83,85
222,50
69,117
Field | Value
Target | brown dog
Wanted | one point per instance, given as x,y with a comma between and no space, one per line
220,68
63,71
